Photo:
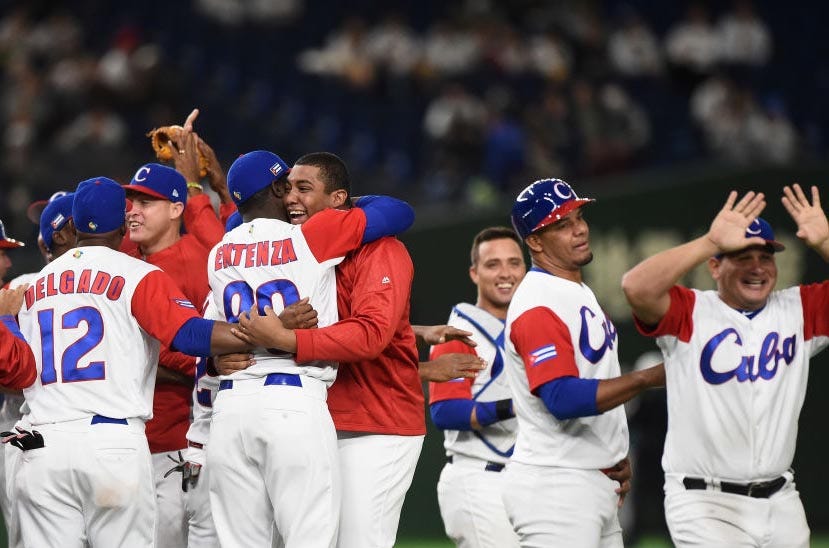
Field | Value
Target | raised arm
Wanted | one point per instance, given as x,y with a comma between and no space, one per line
812,225
647,285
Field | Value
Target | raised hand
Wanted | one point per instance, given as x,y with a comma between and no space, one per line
728,230
812,225
11,300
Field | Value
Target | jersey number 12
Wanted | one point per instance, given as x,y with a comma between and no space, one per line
70,367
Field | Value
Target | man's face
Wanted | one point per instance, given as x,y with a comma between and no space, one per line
5,264
565,244
499,268
745,278
305,194
150,219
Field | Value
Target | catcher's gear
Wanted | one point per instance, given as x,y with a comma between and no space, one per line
542,203
166,140
23,439
189,472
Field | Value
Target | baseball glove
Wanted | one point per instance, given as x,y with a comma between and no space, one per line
165,143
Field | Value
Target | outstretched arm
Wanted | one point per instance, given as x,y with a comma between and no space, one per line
647,285
812,225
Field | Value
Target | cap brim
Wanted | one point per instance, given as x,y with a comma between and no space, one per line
775,245
562,211
35,209
144,190
10,243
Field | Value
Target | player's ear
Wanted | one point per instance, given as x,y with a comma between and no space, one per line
473,274
714,267
338,198
176,210
534,242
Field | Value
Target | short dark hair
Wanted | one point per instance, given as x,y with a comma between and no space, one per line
257,199
489,234
333,170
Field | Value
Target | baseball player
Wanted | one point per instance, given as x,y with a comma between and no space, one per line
563,370
5,260
737,363
17,363
476,414
159,197
55,237
377,401
94,318
272,446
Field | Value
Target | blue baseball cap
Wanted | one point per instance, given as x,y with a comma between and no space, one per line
159,181
761,228
542,203
233,221
100,206
55,215
35,209
252,172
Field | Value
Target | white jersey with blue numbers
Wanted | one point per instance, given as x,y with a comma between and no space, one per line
268,262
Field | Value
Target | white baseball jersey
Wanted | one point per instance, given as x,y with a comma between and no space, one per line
735,383
556,328
271,262
204,392
493,443
93,318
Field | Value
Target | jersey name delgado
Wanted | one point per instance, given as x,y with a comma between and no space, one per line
264,253
89,281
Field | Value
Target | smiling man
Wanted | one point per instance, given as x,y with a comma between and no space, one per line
476,414
563,370
737,362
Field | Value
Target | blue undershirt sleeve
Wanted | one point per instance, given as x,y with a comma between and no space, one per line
570,397
452,414
9,321
193,337
385,216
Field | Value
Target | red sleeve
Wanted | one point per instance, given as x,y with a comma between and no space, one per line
17,363
378,300
815,299
543,341
332,233
455,389
160,307
200,220
177,361
678,321
225,211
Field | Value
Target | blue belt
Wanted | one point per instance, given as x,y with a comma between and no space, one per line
99,419
489,466
284,379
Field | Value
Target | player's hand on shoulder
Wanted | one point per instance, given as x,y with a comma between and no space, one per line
228,364
300,315
447,367
11,300
728,230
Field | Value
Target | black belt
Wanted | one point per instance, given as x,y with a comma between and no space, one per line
490,466
757,490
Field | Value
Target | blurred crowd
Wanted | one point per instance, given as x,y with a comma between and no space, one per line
457,102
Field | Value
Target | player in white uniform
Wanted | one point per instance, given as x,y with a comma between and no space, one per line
55,237
563,368
94,318
737,363
272,451
476,414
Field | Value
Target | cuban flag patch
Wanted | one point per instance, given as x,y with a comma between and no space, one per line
543,354
185,303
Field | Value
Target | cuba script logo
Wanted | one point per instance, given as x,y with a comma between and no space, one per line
763,366
589,325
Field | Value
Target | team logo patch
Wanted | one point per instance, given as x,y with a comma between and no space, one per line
92,226
237,194
276,169
385,280
543,354
77,254
59,218
175,193
185,303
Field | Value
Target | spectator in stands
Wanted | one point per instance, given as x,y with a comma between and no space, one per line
633,48
744,37
692,47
